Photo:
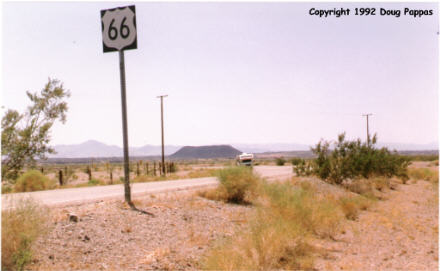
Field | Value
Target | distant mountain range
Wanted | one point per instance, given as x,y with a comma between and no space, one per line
93,148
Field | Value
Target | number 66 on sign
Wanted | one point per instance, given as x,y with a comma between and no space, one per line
119,29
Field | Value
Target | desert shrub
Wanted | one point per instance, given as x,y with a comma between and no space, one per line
354,159
173,167
237,183
352,205
303,168
280,161
296,161
21,226
7,188
32,180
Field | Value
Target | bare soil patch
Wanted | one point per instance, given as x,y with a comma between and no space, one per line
398,233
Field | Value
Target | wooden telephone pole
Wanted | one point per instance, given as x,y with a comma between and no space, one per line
161,119
368,132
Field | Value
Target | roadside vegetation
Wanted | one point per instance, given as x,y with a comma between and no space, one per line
280,161
75,176
288,217
33,180
426,174
356,165
21,226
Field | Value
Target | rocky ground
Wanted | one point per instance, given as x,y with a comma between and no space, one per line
110,236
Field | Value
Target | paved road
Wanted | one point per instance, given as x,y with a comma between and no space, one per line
89,194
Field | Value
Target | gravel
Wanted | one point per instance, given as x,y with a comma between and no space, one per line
110,236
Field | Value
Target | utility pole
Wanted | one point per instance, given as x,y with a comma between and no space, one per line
161,119
368,132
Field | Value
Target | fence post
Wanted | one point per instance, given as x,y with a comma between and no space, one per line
89,172
60,177
138,172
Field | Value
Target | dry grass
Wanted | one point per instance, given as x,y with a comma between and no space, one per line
381,183
212,194
361,186
351,206
269,244
201,172
278,235
424,174
21,226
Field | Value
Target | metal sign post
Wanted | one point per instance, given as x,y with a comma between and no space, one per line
119,34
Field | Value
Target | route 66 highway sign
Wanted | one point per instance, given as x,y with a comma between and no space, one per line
119,29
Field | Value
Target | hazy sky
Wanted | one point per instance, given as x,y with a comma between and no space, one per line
234,72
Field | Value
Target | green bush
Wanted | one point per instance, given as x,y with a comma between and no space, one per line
33,180
303,168
353,159
236,183
280,161
296,161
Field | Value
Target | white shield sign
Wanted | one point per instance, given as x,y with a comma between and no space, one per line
119,29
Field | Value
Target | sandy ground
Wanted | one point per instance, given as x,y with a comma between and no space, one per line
397,233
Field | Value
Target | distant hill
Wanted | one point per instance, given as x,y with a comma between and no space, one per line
206,152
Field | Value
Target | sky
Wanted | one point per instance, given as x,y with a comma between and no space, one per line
233,72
